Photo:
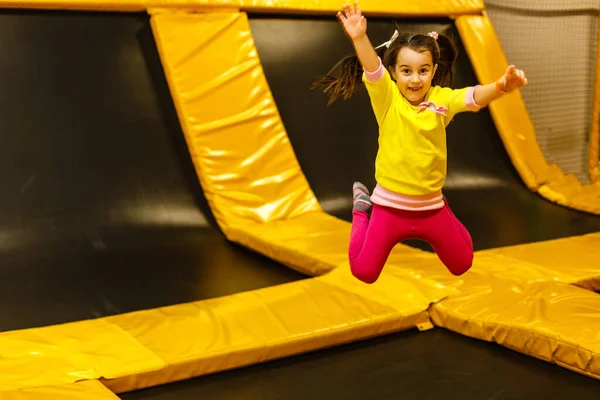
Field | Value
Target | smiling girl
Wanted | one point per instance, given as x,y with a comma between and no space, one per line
413,103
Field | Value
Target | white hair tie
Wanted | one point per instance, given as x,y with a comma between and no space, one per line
389,42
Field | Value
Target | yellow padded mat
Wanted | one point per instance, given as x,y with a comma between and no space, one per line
237,141
574,260
62,354
313,242
380,7
84,390
515,127
251,327
551,321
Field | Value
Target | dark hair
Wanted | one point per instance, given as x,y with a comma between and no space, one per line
346,76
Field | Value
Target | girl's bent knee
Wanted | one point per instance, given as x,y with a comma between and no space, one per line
459,268
364,275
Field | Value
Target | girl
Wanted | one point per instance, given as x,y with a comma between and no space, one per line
413,104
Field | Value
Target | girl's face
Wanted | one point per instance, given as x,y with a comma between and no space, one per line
413,73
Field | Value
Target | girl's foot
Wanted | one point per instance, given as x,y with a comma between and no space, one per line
360,198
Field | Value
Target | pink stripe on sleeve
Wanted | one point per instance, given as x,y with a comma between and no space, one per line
377,74
470,101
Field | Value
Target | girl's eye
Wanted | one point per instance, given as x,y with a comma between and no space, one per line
406,71
423,71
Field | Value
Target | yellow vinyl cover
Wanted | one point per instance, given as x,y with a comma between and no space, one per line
514,125
574,260
375,7
273,322
63,354
236,138
84,390
312,243
551,321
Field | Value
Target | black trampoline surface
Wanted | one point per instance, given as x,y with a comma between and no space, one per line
101,212
337,145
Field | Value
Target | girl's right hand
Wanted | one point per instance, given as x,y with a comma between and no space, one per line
353,21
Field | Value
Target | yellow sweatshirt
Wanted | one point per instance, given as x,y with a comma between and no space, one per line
411,159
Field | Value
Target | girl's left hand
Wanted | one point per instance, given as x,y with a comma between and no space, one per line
512,79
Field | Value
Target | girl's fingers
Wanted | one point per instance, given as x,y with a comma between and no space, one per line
347,10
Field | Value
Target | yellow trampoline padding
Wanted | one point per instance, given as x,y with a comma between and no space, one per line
486,267
84,390
379,7
313,243
63,354
235,135
514,125
574,260
551,321
251,327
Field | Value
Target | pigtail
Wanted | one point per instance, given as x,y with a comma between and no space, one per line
344,78
448,54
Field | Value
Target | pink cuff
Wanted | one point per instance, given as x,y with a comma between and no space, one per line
377,74
470,101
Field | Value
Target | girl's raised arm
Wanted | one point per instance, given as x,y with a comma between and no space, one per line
355,25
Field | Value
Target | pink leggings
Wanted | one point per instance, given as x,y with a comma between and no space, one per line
372,240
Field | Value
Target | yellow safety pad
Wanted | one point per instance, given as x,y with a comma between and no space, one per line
237,141
84,390
63,354
514,125
551,321
379,7
251,327
574,260
313,243
91,5
429,270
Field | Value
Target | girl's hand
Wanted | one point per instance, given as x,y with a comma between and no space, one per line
512,79
353,21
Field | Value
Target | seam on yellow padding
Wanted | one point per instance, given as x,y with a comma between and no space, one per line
84,390
62,354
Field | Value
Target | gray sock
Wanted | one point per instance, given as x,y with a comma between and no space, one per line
361,198
363,203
